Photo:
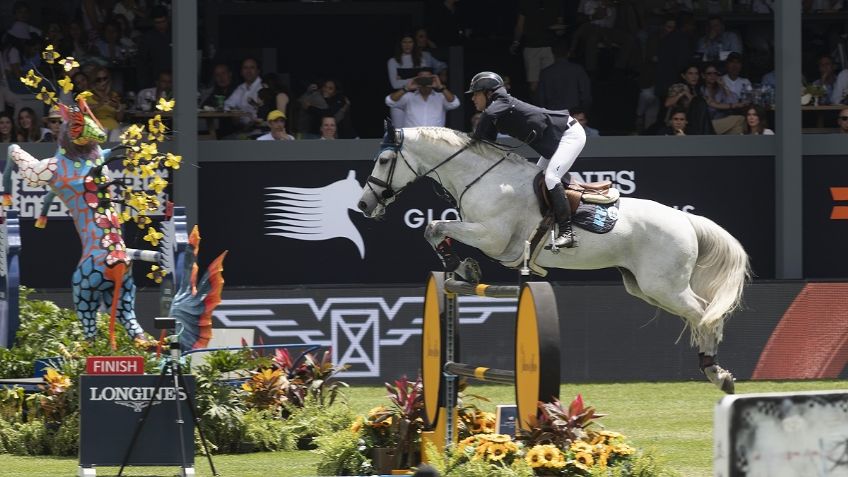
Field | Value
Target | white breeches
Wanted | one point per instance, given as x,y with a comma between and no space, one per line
570,145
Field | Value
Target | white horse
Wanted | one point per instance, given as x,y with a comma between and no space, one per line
682,263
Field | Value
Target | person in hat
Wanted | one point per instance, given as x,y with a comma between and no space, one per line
555,135
277,122
54,123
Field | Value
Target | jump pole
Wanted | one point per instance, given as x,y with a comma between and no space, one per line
537,351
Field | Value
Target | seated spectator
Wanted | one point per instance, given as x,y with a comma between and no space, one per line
113,46
221,89
827,78
273,95
600,26
732,79
839,95
21,28
54,124
564,85
147,98
676,124
756,122
81,82
322,99
424,101
7,128
583,119
720,103
688,96
28,126
106,103
717,43
843,121
328,128
246,95
78,43
277,122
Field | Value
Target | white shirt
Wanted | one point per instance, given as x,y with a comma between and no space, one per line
427,61
269,137
736,86
423,112
840,87
241,99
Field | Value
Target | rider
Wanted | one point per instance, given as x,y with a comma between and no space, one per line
555,135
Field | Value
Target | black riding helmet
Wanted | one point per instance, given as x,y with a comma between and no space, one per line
485,81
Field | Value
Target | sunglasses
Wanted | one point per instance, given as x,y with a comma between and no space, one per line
54,121
843,118
711,73
101,79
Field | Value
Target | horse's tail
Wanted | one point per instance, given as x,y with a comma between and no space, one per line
720,274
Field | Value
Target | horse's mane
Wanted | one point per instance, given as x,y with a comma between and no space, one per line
452,137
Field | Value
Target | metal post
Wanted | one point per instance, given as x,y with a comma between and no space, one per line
788,161
451,323
184,37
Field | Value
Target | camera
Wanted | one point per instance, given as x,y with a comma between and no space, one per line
164,323
424,81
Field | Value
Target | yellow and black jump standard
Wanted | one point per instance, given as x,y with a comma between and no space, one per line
537,351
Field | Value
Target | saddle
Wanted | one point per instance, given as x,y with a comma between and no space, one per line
576,192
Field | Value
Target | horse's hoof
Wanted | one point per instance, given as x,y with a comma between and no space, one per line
722,378
470,271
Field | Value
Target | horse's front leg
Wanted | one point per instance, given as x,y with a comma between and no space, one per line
440,233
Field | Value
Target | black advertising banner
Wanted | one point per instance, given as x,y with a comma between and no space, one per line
825,217
256,211
110,408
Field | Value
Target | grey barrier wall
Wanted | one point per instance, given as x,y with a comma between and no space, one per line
606,334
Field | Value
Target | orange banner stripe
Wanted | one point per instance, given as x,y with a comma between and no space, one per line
839,213
839,193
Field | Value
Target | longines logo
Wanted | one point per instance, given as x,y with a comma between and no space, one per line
432,348
625,181
134,397
528,365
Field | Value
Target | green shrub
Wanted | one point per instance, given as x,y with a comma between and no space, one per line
341,453
264,432
66,439
312,420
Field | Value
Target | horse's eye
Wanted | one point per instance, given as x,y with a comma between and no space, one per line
383,160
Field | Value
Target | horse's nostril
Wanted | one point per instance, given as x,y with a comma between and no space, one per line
362,205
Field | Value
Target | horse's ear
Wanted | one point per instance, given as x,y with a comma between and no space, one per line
390,133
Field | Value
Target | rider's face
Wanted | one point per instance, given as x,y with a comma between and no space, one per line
479,99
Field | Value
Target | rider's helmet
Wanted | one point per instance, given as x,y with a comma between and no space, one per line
485,81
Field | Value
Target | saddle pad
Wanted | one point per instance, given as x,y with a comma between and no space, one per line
596,218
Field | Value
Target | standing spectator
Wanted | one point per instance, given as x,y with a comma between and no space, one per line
54,124
564,85
583,119
676,124
154,49
147,98
446,22
535,31
245,96
424,100
717,43
674,52
21,28
600,26
423,42
407,61
28,129
222,87
277,122
7,128
756,122
328,128
843,121
827,78
92,18
732,79
106,103
647,108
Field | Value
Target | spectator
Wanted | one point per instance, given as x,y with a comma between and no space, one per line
277,122
106,103
827,78
113,46
7,128
28,129
674,52
535,30
21,28
79,45
54,124
245,96
154,49
273,95
756,122
92,18
583,119
322,99
8,99
564,85
407,62
424,101
721,102
423,42
687,96
81,82
676,124
600,26
717,43
446,22
55,36
222,87
147,98
13,64
732,79
129,9
843,121
328,128
840,88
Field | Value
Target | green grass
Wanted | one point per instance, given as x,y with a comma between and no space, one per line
673,418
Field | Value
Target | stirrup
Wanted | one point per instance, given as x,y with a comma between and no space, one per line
566,240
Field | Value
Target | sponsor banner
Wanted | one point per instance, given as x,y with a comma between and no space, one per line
296,222
825,206
110,409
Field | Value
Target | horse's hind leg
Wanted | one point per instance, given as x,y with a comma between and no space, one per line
632,286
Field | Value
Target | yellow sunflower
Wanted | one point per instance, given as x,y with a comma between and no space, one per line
581,446
623,449
534,457
496,452
603,457
494,437
584,458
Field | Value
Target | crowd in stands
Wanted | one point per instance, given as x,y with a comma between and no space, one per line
686,70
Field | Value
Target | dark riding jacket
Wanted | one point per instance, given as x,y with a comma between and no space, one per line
540,128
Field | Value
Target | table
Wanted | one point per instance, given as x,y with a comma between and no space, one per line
821,114
211,118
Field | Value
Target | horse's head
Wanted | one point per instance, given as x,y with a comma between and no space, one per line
389,177
81,131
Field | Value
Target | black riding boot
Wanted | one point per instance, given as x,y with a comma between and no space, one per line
562,213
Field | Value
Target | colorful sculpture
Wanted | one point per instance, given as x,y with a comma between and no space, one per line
77,175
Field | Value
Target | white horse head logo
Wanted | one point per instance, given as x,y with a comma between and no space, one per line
315,214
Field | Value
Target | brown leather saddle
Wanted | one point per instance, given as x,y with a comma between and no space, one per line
576,192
